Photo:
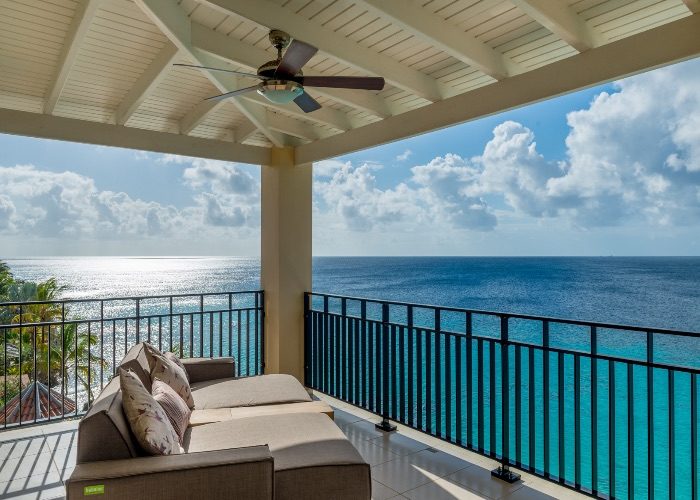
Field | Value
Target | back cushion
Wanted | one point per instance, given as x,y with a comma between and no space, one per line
104,432
138,361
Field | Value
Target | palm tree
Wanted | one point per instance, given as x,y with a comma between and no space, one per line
53,353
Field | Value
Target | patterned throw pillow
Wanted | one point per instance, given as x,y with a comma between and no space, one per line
146,417
173,357
175,377
175,408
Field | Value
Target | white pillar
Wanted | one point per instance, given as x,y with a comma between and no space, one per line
285,259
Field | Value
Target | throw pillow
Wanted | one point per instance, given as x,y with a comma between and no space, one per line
173,357
146,417
175,377
174,406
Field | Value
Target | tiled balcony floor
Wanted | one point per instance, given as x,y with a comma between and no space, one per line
406,464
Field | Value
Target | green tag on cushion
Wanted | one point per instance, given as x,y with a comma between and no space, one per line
95,489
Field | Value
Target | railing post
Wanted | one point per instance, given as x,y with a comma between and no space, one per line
503,471
307,341
385,425
138,322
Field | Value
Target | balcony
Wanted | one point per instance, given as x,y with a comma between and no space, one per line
592,409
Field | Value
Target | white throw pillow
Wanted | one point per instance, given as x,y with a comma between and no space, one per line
170,373
147,419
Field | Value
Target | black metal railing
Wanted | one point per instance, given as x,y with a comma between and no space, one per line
608,410
57,355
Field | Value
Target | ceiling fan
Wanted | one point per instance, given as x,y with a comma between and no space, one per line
283,80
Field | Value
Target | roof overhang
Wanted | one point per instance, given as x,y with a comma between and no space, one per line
103,74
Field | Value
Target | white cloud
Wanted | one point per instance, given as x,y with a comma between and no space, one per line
633,157
41,203
404,156
433,195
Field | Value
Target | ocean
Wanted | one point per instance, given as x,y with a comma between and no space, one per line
660,292
655,292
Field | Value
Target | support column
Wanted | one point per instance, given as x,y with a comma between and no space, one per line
285,259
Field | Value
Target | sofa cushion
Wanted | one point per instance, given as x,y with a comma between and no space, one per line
174,407
313,458
139,361
201,417
248,391
104,432
146,417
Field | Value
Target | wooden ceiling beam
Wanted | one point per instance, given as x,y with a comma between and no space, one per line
268,14
175,24
251,57
561,20
146,83
104,134
84,13
430,27
667,44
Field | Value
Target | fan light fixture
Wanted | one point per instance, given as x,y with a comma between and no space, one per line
280,92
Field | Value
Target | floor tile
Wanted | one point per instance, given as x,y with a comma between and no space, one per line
23,447
359,431
528,493
401,475
32,465
399,443
343,417
382,492
62,439
33,486
373,454
441,489
479,480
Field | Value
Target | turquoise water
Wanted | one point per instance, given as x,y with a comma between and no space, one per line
653,292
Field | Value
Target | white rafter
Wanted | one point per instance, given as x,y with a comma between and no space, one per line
430,27
195,116
175,24
145,84
561,20
693,5
323,116
251,57
243,132
666,44
293,127
89,132
76,32
270,15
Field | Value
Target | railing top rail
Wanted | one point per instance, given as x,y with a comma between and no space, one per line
612,326
136,297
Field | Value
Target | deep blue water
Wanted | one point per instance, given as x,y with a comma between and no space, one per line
661,292
656,292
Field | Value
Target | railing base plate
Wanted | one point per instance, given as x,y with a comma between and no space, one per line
505,475
385,426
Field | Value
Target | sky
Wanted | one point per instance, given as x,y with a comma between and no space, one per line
611,170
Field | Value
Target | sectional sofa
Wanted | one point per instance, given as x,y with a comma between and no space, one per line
259,437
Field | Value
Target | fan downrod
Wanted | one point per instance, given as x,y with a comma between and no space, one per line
279,40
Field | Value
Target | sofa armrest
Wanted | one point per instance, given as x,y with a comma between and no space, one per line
246,473
201,369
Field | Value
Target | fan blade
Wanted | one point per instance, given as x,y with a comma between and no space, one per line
344,82
307,103
242,73
297,54
231,94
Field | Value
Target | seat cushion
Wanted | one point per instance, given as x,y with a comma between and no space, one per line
248,391
201,417
312,455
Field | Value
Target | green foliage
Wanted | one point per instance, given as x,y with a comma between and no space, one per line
49,353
